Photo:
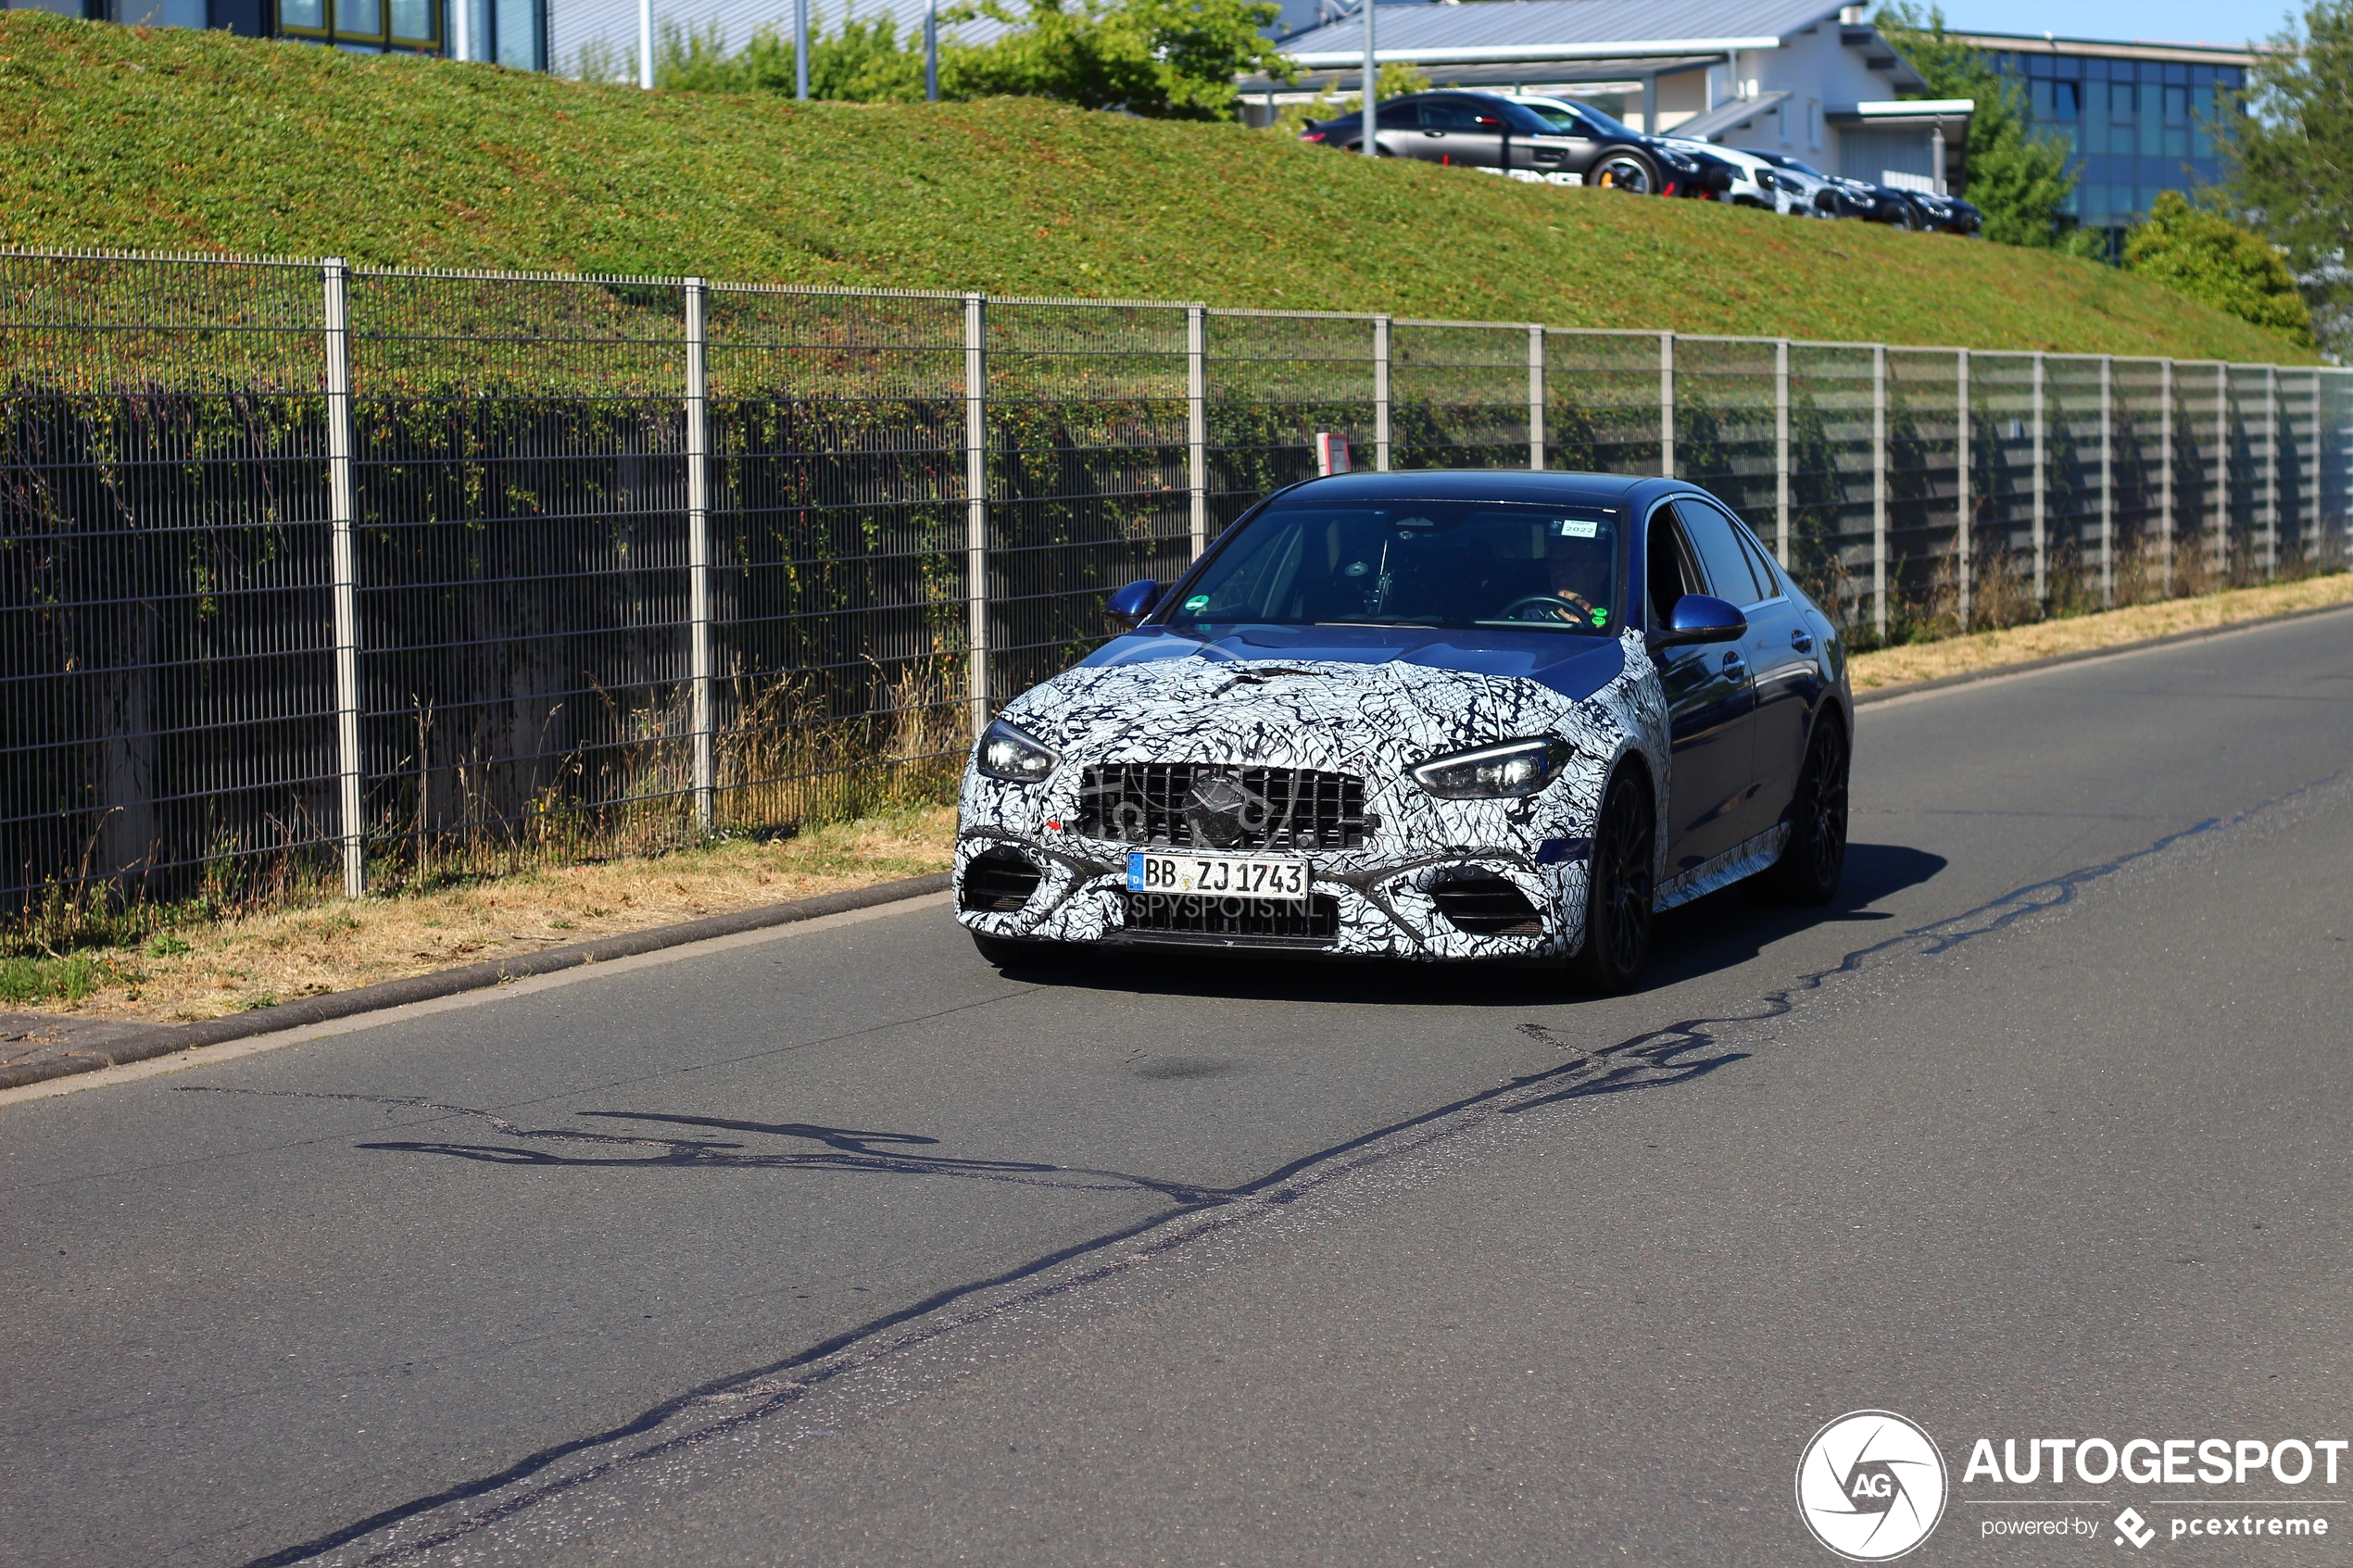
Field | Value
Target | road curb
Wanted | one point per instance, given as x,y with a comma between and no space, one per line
1997,672
166,1039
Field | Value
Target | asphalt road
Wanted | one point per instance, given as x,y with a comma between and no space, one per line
834,1245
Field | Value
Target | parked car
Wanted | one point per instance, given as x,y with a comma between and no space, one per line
1946,214
1750,180
1879,204
1446,715
1811,191
1547,139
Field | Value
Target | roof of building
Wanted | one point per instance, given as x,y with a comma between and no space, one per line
2108,48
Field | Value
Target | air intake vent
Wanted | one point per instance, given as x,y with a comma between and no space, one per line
1199,806
999,880
1485,905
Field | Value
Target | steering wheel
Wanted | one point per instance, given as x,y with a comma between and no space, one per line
1557,608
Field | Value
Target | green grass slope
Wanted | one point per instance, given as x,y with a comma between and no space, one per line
131,139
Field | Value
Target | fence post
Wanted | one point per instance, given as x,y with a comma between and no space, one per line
1666,405
1380,393
2221,551
2165,480
344,563
2042,496
1780,451
1536,395
1197,422
976,505
2271,473
699,555
1878,490
2107,481
1964,516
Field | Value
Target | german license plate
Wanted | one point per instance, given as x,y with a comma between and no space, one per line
1218,876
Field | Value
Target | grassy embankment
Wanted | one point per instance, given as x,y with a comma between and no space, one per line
169,140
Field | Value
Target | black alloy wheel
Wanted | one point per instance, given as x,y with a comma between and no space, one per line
1625,171
1815,857
1620,880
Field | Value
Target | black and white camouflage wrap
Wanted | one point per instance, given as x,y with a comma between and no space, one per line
1374,720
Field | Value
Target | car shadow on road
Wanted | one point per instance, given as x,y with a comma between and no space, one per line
1718,932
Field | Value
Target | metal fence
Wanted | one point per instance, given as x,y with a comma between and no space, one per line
318,573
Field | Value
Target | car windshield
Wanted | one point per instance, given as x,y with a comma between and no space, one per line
1802,167
1415,563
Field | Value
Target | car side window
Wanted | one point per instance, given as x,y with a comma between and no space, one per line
1442,114
1721,563
1758,562
1666,568
1399,117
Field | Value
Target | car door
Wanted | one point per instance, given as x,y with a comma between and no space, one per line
1398,127
1709,706
1459,131
1779,649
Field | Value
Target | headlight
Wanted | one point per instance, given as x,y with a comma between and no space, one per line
1495,772
1677,160
1006,753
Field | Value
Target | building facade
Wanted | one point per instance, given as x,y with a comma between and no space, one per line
2137,118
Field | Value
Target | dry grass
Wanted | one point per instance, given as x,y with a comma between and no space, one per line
205,972
2076,634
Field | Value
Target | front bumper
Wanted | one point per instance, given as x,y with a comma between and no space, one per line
1380,905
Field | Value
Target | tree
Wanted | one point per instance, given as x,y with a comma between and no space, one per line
1171,59
2207,257
2291,160
2017,175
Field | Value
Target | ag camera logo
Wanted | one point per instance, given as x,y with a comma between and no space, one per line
1870,1485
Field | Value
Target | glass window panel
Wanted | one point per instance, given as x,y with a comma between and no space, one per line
413,20
2120,105
359,19
2039,64
517,25
307,14
2177,106
2068,66
2066,100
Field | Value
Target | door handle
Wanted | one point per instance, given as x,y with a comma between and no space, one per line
1733,663
1802,640
1434,133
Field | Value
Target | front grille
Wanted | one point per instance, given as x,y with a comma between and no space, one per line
1154,803
1267,920
997,880
1483,904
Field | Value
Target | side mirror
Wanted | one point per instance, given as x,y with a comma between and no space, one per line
1131,604
1700,618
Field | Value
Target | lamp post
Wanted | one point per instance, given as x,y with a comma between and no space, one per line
1372,86
800,49
931,52
646,44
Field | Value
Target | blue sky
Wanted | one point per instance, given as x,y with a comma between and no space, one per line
2172,21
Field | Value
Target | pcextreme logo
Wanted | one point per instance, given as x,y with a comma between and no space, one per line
1870,1485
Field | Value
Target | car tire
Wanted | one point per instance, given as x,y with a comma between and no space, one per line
1814,860
1621,878
1624,170
1014,952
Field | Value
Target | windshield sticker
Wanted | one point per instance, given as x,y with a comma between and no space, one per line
1199,601
1580,527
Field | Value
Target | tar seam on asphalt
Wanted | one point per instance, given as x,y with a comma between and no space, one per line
1655,1058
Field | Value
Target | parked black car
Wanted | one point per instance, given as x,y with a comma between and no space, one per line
1946,214
1570,146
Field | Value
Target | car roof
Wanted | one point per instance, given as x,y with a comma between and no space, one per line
1474,484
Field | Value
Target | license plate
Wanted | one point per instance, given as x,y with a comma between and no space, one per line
1218,876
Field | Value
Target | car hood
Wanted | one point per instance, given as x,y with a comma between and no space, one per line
1347,699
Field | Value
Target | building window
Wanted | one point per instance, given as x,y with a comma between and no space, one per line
1814,125
369,26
